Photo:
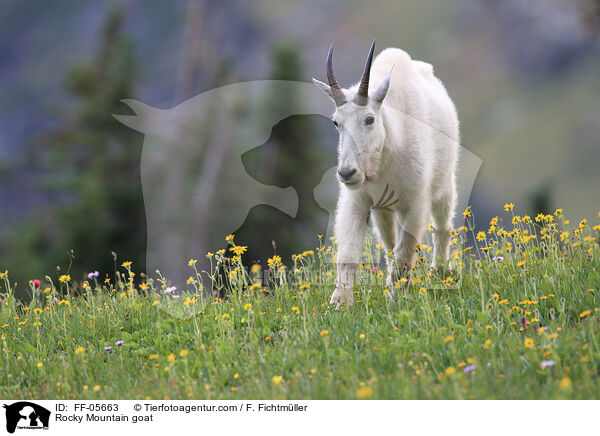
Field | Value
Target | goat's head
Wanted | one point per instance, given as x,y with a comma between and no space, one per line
360,127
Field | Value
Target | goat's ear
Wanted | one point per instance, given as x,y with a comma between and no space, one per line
383,87
323,87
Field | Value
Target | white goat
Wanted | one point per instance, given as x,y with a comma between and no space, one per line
396,161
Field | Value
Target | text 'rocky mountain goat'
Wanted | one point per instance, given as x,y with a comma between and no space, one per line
397,158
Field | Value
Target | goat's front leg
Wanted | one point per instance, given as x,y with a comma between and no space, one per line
350,227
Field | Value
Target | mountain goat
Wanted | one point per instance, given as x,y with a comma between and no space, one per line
397,157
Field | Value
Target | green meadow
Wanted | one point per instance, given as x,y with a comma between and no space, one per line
517,318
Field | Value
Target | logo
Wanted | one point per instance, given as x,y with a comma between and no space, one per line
26,415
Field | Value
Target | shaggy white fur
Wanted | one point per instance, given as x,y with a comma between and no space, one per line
397,162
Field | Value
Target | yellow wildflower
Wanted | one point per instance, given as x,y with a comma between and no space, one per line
239,249
364,392
565,383
274,261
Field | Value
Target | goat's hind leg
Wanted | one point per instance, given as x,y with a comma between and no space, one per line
441,212
409,232
384,227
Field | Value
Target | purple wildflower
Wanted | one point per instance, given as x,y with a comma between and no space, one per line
175,296
93,275
470,368
523,322
119,343
108,348
498,259
55,300
546,363
170,290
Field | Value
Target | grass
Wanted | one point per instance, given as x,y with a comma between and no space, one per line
484,336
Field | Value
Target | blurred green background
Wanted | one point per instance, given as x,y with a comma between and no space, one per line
524,76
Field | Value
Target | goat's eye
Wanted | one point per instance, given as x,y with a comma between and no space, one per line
369,120
335,123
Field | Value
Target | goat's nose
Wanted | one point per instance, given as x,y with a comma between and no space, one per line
346,174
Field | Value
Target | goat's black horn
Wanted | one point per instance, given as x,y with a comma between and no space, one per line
362,96
336,90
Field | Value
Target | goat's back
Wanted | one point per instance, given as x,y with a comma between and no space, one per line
415,90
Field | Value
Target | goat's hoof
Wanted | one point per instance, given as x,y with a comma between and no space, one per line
341,298
390,294
389,284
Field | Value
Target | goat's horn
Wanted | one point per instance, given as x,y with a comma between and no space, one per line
362,96
336,90
383,88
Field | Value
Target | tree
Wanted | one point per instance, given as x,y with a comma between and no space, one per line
92,163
